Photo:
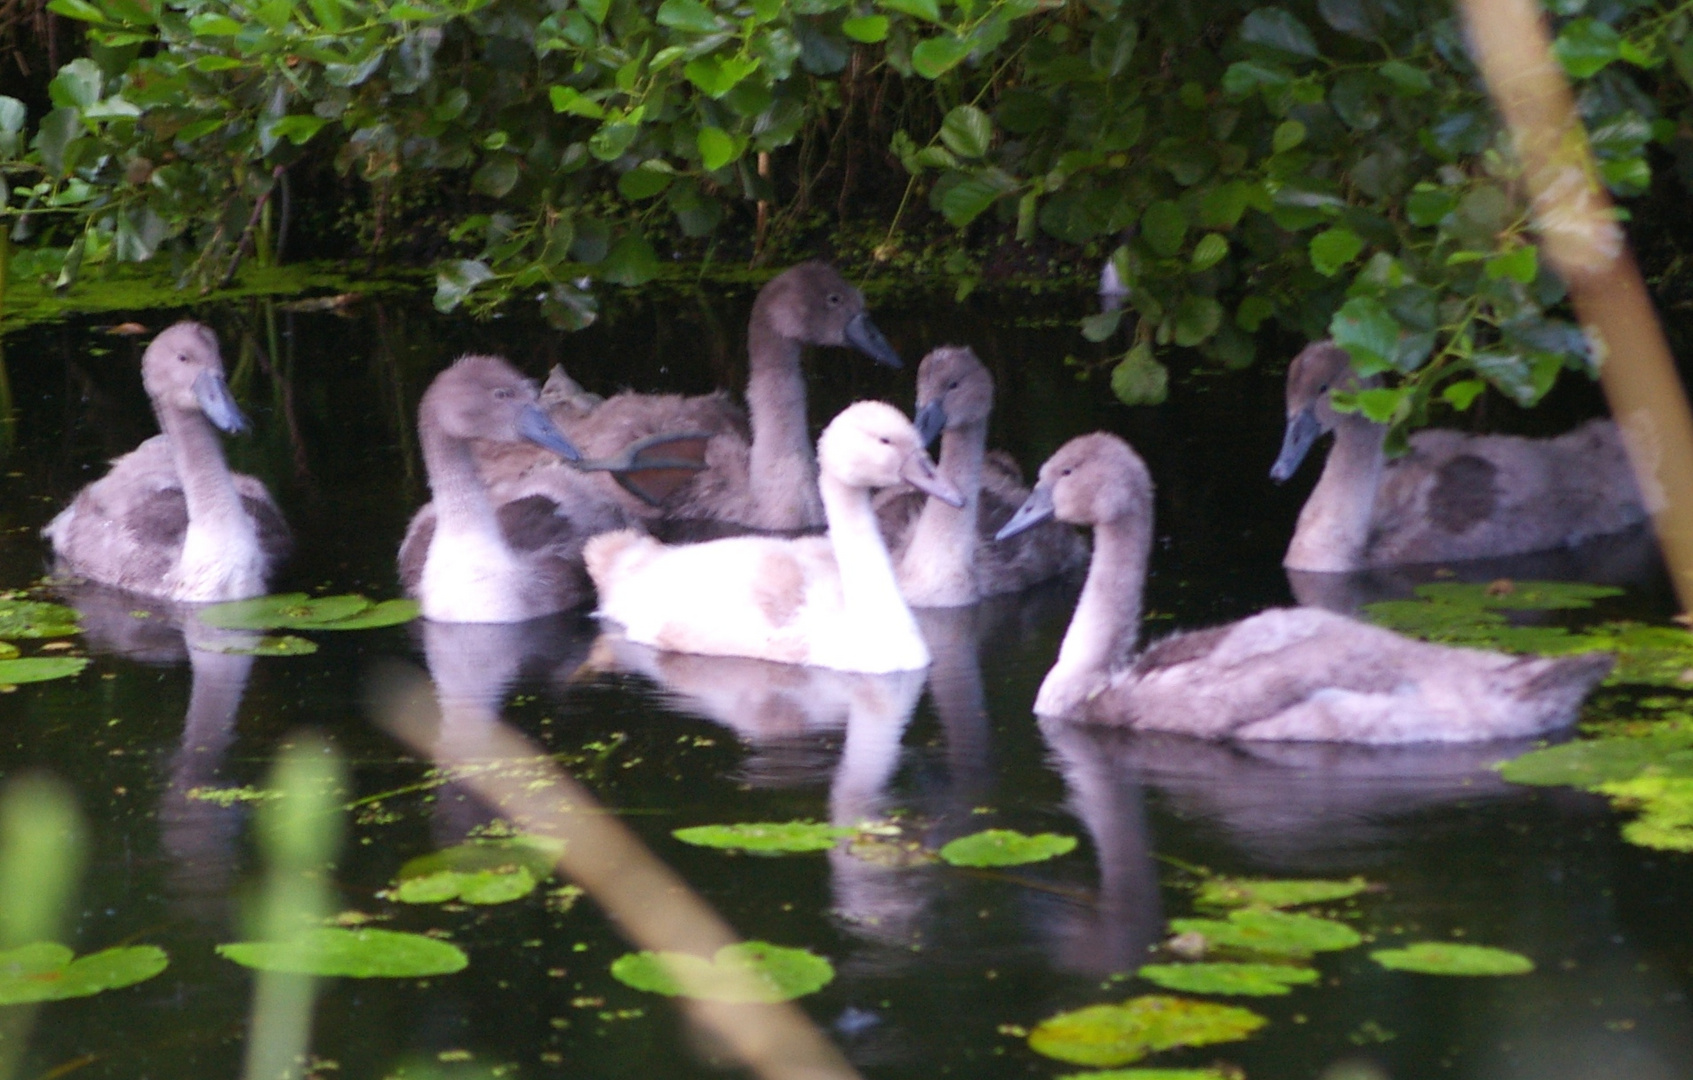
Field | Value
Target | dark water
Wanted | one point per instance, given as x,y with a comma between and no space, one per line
934,963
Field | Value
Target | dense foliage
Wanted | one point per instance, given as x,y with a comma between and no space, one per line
1331,165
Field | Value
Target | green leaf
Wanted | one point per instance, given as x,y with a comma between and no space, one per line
1587,763
1433,622
1460,395
967,131
1585,46
358,954
934,57
1252,313
765,837
78,84
689,15
612,140
631,261
1113,46
386,613
1427,205
1102,325
1244,77
40,669
297,129
284,645
497,176
48,971
1407,80
1195,319
1138,379
1251,892
1258,980
1508,595
292,610
1333,248
487,887
1005,847
36,619
214,24
645,180
1368,332
1155,1074
869,28
1519,264
718,148
717,75
567,99
1211,250
750,971
1288,135
455,279
1452,958
1277,932
80,10
1164,227
1278,29
927,10
1104,1035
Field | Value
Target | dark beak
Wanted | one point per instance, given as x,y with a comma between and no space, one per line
218,404
862,335
920,473
930,421
1302,431
534,425
1035,509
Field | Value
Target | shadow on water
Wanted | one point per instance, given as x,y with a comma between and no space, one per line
936,965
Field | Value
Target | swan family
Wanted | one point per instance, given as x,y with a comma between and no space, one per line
546,498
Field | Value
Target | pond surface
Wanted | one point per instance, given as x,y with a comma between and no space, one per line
938,968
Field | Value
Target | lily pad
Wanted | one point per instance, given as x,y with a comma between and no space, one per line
1247,892
1261,980
480,872
1279,932
479,887
1434,621
1452,958
278,645
1153,1074
40,669
1666,810
1517,595
359,954
750,971
35,619
536,853
297,611
7,650
1649,655
1587,762
1124,1033
1005,847
48,971
765,837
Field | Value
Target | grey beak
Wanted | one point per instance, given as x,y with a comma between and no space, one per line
1302,430
930,421
534,425
218,403
1035,509
862,335
920,473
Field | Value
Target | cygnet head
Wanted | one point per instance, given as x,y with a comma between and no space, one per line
871,444
811,303
1320,367
954,390
483,397
182,370
1093,479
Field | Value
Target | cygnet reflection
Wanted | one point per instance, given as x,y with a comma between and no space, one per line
198,834
474,667
1629,559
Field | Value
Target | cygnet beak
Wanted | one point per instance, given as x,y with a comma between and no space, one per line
930,421
1035,509
218,403
920,473
534,425
1303,427
863,335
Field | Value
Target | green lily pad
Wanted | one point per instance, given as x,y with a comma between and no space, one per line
1005,847
1124,1033
1247,892
1649,655
1434,621
489,871
1587,762
1153,1074
35,619
746,972
359,954
297,611
765,837
1279,932
40,669
1517,595
480,887
1262,980
1452,958
279,645
1665,804
7,650
48,971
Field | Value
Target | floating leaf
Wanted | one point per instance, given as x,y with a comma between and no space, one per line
292,610
386,613
1589,762
35,619
40,669
745,972
1272,932
1005,847
1451,958
1436,622
1153,1074
1247,892
279,645
1120,1034
1262,980
480,872
1517,595
48,971
478,887
765,837
1666,810
8,651
359,954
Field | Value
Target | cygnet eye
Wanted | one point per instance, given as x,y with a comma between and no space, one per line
885,441
502,393
1066,472
953,385
182,358
835,299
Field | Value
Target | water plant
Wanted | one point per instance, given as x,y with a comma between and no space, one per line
1453,958
747,971
1127,1032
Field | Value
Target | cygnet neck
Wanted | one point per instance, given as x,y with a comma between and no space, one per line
781,467
938,566
1106,625
207,484
462,505
870,594
1334,526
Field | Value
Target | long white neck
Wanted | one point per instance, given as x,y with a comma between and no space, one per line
1106,624
221,558
1334,525
938,566
875,613
470,573
781,466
